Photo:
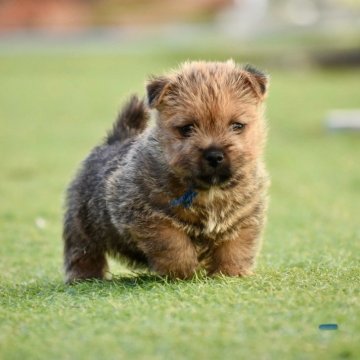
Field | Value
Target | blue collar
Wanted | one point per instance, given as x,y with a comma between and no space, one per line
185,200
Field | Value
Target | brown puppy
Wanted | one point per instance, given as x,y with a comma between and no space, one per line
189,192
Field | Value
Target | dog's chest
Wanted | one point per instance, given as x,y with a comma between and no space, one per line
213,221
210,218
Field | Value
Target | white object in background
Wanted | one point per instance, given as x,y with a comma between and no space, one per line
343,120
40,223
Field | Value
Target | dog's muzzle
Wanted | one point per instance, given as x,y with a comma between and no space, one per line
214,168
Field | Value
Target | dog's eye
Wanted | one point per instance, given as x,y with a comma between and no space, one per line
186,130
237,126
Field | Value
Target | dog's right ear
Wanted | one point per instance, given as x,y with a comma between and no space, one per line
156,88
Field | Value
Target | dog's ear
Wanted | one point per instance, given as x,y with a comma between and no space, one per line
258,80
156,88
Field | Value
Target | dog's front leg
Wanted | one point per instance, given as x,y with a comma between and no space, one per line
169,251
236,257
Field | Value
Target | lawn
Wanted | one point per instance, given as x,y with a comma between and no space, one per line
55,107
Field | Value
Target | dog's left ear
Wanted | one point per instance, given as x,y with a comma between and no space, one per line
156,88
258,80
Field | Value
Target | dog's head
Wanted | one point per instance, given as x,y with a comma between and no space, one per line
210,120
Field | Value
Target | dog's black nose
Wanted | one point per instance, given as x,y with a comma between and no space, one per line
214,157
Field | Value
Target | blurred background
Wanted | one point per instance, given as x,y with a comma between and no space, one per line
277,32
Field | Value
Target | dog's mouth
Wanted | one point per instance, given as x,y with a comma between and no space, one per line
206,181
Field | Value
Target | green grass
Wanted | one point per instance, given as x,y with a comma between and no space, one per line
54,108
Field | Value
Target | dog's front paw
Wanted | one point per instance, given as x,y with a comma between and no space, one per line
175,268
231,271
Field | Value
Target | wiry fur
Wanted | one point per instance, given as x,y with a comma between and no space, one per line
120,201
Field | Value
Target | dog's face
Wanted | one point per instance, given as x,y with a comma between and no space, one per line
210,121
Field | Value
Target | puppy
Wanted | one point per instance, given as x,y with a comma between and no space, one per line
187,193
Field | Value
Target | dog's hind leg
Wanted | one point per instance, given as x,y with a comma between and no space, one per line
84,259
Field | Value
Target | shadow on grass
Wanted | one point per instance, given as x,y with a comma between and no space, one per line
144,281
121,284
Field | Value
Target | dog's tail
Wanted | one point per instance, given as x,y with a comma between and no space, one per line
131,121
